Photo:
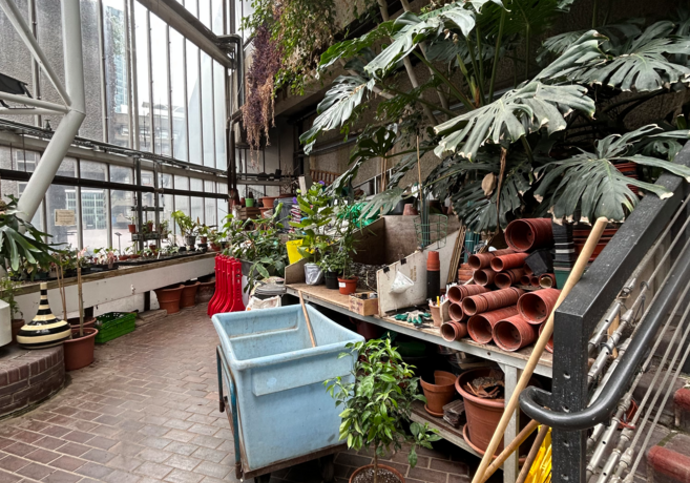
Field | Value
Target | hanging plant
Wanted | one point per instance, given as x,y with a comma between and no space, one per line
257,111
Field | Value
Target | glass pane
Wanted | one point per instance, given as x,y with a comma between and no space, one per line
181,204
121,202
207,110
92,127
222,210
15,59
217,16
205,12
222,188
210,204
16,188
181,183
179,105
68,167
119,174
116,72
192,6
194,104
209,186
195,184
49,17
220,101
143,81
147,199
25,160
62,198
197,209
159,69
5,158
92,170
94,213
166,201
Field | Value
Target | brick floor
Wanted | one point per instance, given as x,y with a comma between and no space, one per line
147,411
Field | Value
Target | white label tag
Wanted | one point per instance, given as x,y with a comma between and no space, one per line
342,284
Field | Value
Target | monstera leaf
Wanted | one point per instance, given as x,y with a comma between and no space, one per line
641,63
337,106
525,109
590,182
383,202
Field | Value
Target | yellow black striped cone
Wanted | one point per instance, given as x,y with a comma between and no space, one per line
45,330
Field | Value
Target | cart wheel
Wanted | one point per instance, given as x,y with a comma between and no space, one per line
327,468
263,478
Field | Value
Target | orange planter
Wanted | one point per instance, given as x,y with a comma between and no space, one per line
79,352
346,286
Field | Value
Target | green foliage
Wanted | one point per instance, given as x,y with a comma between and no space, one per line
336,261
377,405
8,289
187,226
315,228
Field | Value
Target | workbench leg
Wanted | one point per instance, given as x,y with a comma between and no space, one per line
510,467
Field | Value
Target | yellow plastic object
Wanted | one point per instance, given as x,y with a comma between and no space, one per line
541,468
293,253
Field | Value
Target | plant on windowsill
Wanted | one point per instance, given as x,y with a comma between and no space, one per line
132,226
187,226
204,232
378,406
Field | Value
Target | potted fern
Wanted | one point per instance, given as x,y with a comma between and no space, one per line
378,406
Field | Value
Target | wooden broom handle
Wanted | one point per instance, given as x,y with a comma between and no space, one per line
541,435
510,449
538,350
306,318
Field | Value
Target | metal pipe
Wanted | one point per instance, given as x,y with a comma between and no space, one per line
533,400
55,152
15,17
30,101
32,111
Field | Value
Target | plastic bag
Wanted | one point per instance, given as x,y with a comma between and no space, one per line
312,274
401,283
256,303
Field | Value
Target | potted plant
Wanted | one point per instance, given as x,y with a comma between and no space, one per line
163,228
378,407
187,226
169,298
149,226
8,288
214,237
79,348
106,256
204,232
132,226
346,226
249,200
332,265
314,229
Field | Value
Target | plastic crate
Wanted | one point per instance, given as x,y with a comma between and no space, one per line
113,325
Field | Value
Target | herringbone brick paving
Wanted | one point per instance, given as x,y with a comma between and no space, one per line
146,411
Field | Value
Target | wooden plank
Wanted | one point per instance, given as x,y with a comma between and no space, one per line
322,293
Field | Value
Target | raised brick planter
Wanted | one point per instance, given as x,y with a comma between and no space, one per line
28,377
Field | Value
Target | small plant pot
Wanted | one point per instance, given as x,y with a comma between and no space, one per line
346,286
529,233
366,330
435,314
514,333
510,277
369,469
440,393
149,225
456,313
547,280
132,228
454,294
484,277
506,262
331,280
134,257
122,258
536,306
169,298
190,240
453,330
79,350
74,322
481,326
479,261
215,247
410,210
249,202
476,304
188,298
267,201
203,239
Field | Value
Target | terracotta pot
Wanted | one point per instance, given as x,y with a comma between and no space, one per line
134,257
79,352
536,306
435,314
440,393
529,233
346,286
132,228
510,277
524,280
188,298
549,343
547,280
481,326
264,210
456,313
486,302
483,260
465,275
484,277
169,298
483,415
74,322
366,330
534,281
122,258
267,201
514,333
206,290
410,210
433,262
453,330
17,325
458,292
395,472
506,262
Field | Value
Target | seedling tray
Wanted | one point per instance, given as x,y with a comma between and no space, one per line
113,325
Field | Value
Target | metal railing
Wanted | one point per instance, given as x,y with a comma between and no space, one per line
653,239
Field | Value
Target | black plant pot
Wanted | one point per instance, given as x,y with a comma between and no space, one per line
331,280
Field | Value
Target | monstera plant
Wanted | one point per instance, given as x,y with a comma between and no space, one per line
546,141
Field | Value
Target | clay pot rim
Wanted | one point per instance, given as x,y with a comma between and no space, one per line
439,387
170,289
499,342
195,284
92,332
494,403
351,279
380,465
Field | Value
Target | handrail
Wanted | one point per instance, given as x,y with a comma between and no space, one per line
533,400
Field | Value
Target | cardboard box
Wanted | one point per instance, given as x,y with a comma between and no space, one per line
364,303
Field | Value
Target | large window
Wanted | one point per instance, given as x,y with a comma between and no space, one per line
116,79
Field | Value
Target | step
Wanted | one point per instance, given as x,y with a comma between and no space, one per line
670,463
681,403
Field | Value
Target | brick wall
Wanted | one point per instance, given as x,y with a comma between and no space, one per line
27,377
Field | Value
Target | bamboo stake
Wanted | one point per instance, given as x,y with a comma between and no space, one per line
306,318
538,350
510,449
534,450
